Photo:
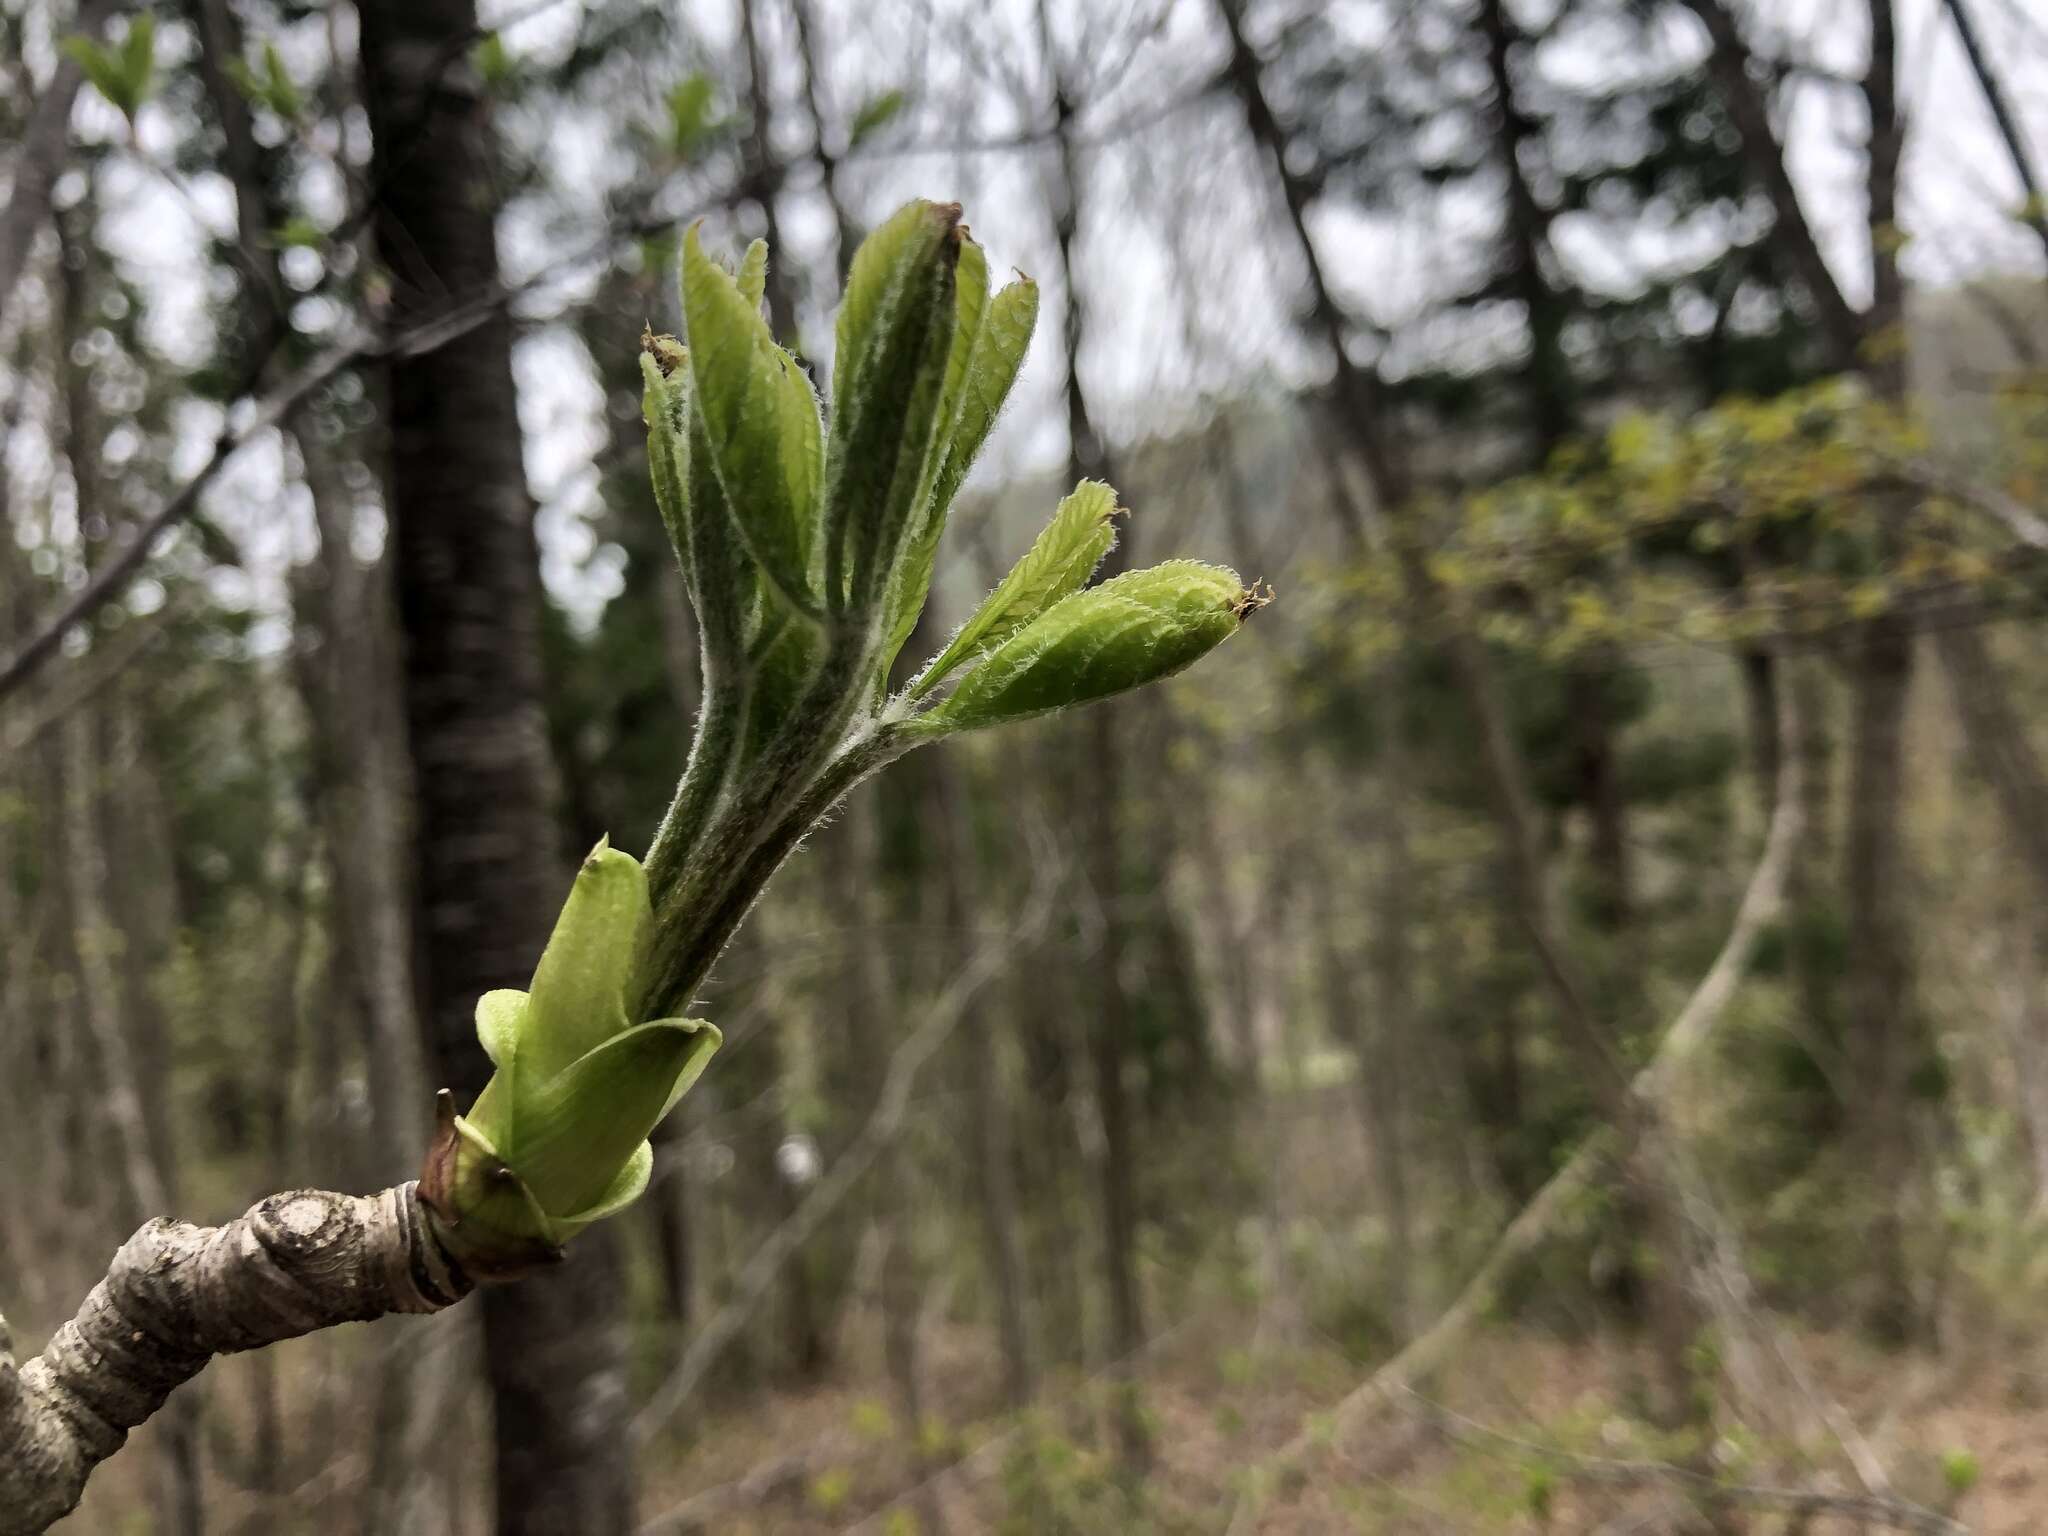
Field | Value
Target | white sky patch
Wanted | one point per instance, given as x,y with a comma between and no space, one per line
1191,298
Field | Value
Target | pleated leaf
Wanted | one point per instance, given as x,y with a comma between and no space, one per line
760,419
889,380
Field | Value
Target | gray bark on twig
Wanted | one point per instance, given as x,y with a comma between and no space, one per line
175,1296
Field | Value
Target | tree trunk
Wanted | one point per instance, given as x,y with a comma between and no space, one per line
488,869
1884,1039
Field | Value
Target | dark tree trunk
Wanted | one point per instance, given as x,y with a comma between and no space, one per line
489,877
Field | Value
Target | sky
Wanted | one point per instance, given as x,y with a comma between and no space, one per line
1189,296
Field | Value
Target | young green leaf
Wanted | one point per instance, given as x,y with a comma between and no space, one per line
588,979
999,347
761,421
913,575
122,72
753,278
1133,629
875,113
668,451
575,1131
998,355
691,116
1061,561
895,343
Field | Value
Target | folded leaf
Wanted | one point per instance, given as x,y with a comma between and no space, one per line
753,274
629,1186
761,421
1133,629
889,380
668,454
577,1130
589,975
1000,342
1059,562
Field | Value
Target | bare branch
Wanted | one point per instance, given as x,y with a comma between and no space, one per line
1687,1032
41,156
905,1063
2035,211
175,1296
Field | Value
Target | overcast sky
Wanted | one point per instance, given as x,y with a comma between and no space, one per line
1190,297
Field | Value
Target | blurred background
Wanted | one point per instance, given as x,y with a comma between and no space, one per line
1544,1032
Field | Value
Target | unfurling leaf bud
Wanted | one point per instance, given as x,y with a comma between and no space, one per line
895,345
558,1137
1060,562
759,417
1132,630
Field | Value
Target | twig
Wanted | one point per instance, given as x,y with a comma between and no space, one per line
268,412
766,1262
1695,1022
1882,1509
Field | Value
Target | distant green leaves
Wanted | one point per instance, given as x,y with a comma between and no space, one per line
1061,561
692,116
876,113
271,85
760,419
122,72
1132,630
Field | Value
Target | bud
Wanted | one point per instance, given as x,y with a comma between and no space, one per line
759,417
558,1137
1132,630
1059,563
895,346
979,376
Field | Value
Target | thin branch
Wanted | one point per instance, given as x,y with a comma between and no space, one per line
1695,1022
2034,213
41,157
1870,1508
766,1262
270,411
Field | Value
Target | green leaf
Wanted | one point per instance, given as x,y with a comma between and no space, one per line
99,66
1132,630
588,979
499,1015
668,450
629,1186
913,576
875,113
998,355
578,1129
691,120
895,334
1060,562
298,231
493,61
1000,343
138,61
761,421
753,278
281,92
